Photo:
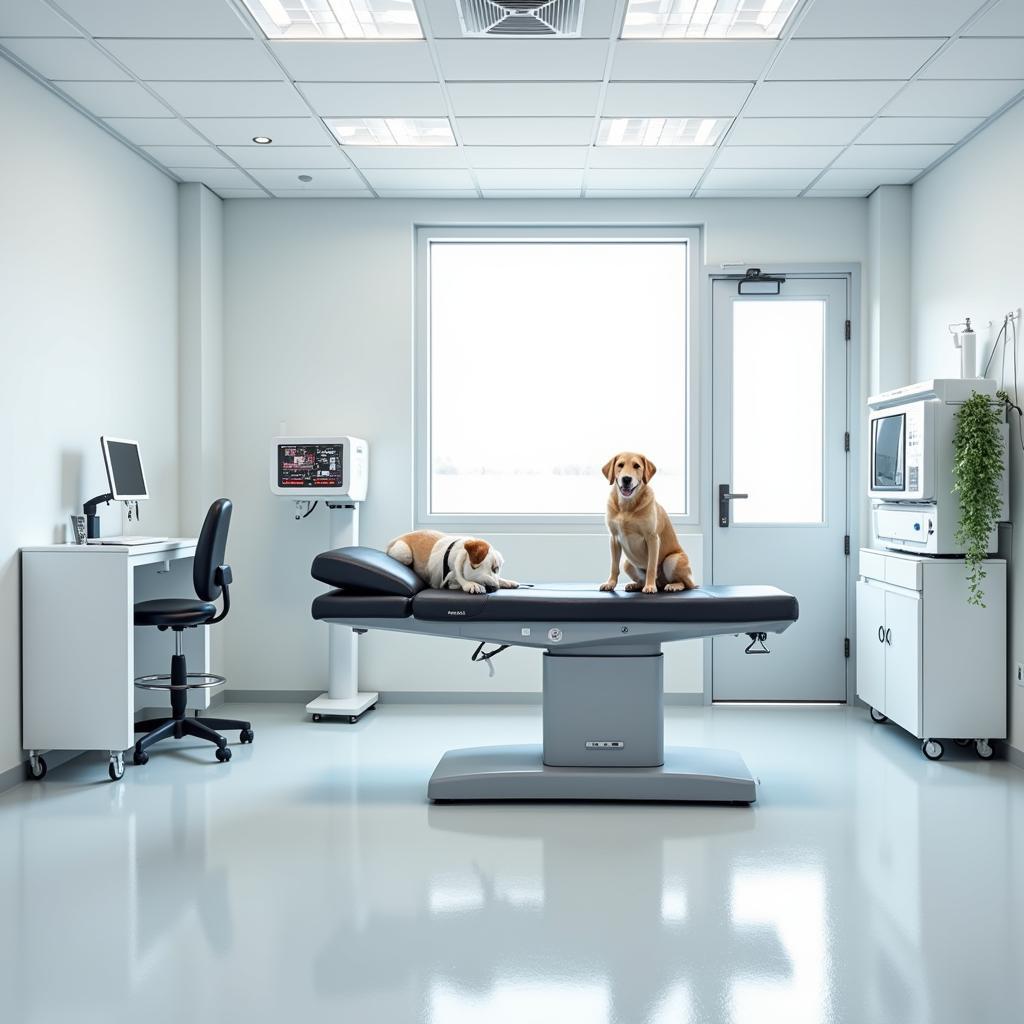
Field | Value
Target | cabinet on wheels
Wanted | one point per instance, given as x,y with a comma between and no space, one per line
926,659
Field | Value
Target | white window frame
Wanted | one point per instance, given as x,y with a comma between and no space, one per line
550,522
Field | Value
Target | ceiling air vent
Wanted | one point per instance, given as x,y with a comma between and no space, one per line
558,18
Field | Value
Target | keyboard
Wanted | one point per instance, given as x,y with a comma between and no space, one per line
127,541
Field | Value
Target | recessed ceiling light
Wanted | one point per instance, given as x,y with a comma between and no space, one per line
262,140
392,131
661,131
706,19
336,19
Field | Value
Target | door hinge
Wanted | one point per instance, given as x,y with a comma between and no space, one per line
846,647
846,544
849,330
846,441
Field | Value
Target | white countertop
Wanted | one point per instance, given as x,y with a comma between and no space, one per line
170,544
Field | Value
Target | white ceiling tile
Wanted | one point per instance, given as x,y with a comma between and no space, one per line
674,99
31,18
748,193
66,59
232,99
405,177
322,193
241,193
954,99
691,60
796,131
605,177
527,156
195,59
332,178
885,18
916,156
228,177
498,193
637,193
154,131
427,193
375,99
839,193
651,157
836,59
822,99
443,18
183,19
517,60
114,99
285,131
287,156
339,60
852,180
1005,19
526,131
777,156
188,156
979,58
889,130
524,99
407,156
768,178
520,178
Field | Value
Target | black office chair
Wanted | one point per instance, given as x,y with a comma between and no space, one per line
211,578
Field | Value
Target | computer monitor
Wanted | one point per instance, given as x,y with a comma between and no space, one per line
124,469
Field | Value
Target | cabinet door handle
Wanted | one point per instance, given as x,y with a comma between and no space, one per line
881,635
888,637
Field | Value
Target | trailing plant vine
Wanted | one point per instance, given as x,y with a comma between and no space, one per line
977,469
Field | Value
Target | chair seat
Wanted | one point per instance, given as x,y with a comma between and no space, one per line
174,611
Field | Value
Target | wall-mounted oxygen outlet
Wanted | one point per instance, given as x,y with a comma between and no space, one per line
1020,673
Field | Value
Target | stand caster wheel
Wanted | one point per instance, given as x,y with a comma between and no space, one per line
932,749
246,736
37,767
352,719
141,757
223,754
116,768
877,716
963,743
984,750
317,717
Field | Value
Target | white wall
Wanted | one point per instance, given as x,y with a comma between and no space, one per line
967,261
88,337
318,335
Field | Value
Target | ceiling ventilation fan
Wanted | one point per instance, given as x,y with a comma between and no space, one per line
531,18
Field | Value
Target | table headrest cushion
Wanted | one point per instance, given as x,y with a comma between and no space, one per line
365,570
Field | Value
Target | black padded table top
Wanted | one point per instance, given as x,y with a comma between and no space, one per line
570,602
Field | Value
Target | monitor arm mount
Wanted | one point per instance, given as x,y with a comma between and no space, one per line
92,519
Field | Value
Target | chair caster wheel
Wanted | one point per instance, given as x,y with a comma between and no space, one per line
246,736
317,717
116,769
932,749
877,716
984,750
223,754
141,757
37,768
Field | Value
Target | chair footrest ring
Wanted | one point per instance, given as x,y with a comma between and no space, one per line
152,682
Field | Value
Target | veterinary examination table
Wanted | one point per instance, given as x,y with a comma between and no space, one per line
603,696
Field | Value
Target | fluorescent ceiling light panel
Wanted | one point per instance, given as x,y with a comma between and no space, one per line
336,19
392,131
661,131
706,19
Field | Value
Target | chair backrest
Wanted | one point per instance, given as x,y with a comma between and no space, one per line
213,539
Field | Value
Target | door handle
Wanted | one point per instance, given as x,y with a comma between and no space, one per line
881,635
724,497
888,637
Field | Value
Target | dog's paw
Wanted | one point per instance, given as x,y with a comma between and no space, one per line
509,585
474,588
609,585
632,588
651,589
673,587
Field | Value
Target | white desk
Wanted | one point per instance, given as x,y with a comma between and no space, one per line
80,649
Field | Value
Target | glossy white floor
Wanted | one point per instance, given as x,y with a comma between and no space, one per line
309,879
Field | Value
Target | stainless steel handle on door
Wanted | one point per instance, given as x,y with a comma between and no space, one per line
881,634
724,497
888,637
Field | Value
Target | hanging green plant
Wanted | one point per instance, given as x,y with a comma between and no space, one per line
977,469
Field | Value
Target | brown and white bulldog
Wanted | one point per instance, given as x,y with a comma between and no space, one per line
446,562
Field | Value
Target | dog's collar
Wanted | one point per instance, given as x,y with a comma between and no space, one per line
445,567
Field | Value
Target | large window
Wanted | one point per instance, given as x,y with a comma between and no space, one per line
543,356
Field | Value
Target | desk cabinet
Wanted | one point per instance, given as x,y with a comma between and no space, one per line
80,649
926,659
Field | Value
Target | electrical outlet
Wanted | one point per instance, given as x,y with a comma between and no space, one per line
1020,674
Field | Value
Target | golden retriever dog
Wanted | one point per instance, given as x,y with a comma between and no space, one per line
445,562
641,531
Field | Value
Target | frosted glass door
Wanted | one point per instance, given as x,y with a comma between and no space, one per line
779,422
